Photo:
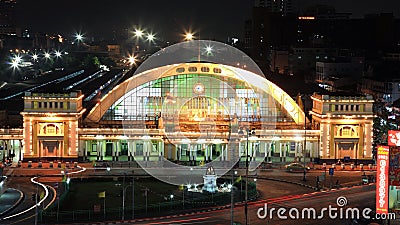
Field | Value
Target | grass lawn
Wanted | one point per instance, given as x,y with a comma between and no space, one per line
83,195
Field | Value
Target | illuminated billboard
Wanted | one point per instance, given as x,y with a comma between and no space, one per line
394,137
382,180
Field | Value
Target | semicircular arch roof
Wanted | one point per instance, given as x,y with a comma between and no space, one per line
252,79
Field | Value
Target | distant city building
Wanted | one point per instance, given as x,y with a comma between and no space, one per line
276,6
114,50
387,91
319,27
392,56
332,75
8,18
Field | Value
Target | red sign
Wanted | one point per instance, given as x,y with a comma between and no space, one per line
382,180
394,138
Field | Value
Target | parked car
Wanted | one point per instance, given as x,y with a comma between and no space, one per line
296,167
366,179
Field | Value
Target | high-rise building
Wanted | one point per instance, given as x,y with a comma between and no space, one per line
283,6
8,18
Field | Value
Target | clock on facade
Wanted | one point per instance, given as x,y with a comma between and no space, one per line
198,88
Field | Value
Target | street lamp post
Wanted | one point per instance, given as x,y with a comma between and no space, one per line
305,140
248,133
232,197
247,179
133,197
171,197
123,198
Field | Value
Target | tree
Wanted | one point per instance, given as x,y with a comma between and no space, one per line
381,125
91,62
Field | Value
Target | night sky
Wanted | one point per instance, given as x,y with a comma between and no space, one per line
211,19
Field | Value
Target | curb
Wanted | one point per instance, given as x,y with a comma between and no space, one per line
290,182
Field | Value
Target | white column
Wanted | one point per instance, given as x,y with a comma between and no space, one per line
145,150
176,153
133,143
270,150
189,147
161,148
222,158
84,152
118,148
226,152
265,149
211,155
280,150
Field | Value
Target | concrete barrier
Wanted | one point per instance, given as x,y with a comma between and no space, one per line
361,166
352,166
343,166
370,166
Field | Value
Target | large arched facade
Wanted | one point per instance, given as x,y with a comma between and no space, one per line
191,111
249,79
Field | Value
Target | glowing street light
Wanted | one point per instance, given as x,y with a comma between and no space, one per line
17,59
14,64
132,59
208,49
138,33
189,36
58,54
34,57
47,55
78,37
150,37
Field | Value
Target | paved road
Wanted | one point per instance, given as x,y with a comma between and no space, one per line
361,197
267,188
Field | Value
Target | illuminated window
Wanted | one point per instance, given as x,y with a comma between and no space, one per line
346,131
180,70
192,69
217,70
205,69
